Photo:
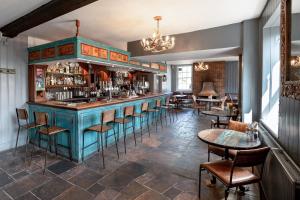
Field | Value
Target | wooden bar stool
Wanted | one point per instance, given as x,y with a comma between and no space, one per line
108,117
156,113
23,124
51,132
142,115
128,118
169,109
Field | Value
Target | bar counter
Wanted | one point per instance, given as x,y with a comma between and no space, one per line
77,117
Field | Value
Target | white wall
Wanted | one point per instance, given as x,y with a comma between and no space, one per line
13,88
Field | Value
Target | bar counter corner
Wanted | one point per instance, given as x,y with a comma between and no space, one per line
77,118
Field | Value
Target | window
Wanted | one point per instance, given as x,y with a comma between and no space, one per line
271,78
184,78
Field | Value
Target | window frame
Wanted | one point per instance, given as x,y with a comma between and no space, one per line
177,78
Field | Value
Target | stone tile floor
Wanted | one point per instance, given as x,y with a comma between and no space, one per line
164,166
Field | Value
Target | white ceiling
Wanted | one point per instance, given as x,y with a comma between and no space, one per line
10,10
119,21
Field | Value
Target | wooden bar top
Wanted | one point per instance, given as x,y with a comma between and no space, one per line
82,106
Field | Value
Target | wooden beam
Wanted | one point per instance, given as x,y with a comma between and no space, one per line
44,13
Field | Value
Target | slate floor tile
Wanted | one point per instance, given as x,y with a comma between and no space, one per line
20,174
151,195
4,196
172,193
116,180
107,194
96,189
61,166
162,182
25,184
133,169
86,178
132,191
27,196
4,179
75,193
51,189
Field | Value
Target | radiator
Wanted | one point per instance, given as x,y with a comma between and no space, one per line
281,177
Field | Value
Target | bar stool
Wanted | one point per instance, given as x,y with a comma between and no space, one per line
128,118
108,117
156,112
22,118
168,108
142,115
51,132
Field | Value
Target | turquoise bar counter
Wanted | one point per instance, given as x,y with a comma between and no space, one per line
76,118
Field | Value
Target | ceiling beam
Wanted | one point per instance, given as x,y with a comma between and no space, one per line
44,13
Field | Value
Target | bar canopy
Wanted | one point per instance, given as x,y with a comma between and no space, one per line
79,49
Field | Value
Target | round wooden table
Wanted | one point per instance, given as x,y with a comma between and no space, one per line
219,113
228,139
209,101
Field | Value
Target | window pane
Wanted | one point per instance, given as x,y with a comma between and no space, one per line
184,78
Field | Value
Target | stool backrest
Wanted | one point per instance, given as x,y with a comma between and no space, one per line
145,106
41,118
158,103
22,115
128,111
238,126
108,116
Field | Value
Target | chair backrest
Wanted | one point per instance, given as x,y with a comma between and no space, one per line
41,118
128,111
194,98
168,100
238,126
223,100
250,158
145,106
108,116
158,103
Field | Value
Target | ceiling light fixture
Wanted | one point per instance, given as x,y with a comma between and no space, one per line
200,66
158,43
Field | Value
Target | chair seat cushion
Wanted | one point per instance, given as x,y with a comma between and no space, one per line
222,169
122,120
99,128
51,130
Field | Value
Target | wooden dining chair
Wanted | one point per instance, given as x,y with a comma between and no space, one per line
232,125
197,106
236,173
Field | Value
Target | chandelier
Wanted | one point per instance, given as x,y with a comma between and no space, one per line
200,66
158,43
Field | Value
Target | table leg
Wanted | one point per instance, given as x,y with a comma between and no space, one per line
209,105
218,121
226,154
